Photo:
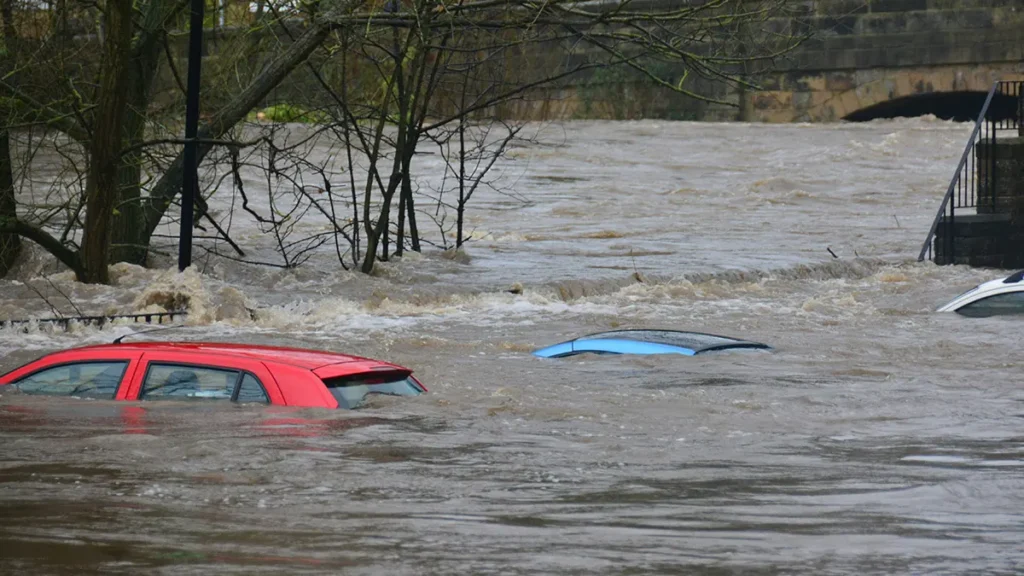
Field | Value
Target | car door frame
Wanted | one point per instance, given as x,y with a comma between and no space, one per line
81,357
204,360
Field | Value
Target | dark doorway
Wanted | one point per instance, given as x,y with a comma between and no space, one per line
958,106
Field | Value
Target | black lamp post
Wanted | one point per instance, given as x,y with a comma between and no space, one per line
191,168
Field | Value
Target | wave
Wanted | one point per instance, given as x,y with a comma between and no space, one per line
227,308
571,290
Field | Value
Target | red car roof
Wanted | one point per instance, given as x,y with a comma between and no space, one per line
302,358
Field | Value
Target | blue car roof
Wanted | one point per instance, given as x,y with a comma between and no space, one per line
646,341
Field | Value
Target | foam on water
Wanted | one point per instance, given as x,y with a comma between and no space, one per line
835,287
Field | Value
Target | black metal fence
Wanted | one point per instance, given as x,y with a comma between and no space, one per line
974,184
64,322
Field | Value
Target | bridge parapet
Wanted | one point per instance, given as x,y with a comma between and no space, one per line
866,52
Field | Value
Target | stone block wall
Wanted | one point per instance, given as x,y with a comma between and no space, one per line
861,53
866,52
980,240
1005,161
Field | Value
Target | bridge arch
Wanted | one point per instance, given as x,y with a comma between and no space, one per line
946,93
957,105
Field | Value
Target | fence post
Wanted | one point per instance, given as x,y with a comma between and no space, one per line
1020,109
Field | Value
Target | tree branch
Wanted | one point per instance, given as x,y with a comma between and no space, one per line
67,256
17,103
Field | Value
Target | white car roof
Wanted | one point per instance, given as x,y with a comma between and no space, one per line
1011,283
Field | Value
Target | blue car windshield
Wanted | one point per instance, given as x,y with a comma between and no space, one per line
646,341
351,392
690,340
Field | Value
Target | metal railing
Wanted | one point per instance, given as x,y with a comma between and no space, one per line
64,322
974,182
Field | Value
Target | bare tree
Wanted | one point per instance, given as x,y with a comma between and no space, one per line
124,199
388,77
439,67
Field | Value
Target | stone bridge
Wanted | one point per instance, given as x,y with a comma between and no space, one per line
866,59
888,57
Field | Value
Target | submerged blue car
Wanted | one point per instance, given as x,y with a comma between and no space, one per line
647,342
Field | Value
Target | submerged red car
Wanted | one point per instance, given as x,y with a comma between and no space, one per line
215,371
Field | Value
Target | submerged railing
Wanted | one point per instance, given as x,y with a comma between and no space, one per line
64,322
974,182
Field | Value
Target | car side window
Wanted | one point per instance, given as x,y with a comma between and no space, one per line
180,382
250,390
84,379
997,305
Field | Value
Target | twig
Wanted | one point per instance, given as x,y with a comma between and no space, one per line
45,299
59,291
223,234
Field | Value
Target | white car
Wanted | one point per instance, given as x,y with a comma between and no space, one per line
994,298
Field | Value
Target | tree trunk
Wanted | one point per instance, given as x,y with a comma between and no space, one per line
7,13
414,233
373,239
400,235
10,244
385,241
102,181
381,229
128,239
460,208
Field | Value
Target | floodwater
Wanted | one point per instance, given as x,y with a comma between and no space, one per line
878,437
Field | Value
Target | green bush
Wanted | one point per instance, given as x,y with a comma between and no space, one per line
292,113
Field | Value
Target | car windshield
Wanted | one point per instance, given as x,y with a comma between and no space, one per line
996,305
690,340
351,391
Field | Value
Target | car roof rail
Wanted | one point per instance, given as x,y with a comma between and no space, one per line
120,338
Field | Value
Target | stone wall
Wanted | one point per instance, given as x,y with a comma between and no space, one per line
980,240
880,50
1004,160
862,53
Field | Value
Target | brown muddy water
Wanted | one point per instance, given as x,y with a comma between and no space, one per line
878,437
